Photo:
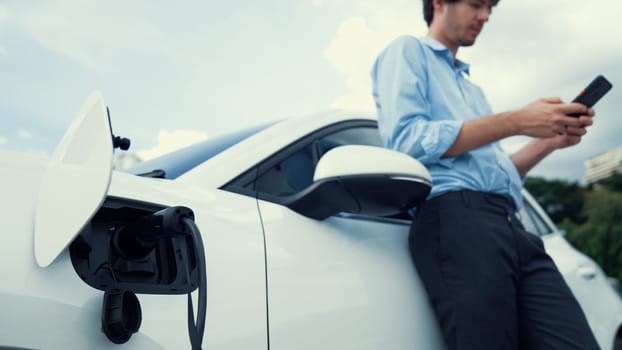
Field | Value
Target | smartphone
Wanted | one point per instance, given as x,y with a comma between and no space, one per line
592,93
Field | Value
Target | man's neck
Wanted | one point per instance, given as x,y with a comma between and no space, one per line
443,40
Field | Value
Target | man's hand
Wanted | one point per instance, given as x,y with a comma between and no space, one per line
536,150
572,134
548,117
545,119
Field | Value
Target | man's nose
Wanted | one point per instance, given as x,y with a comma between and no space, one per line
483,14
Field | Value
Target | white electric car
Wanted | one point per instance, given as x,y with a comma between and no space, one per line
300,227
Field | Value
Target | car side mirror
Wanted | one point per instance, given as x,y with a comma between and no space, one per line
363,180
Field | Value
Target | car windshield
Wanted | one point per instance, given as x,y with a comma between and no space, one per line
176,163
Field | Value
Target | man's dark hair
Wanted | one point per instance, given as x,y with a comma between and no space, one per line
428,9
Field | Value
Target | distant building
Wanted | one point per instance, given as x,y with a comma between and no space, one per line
603,165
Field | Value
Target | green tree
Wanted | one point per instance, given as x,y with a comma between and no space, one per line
592,216
561,199
612,183
601,235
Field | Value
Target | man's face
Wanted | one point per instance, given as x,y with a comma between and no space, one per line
464,20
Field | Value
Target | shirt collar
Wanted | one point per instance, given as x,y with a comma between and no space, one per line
446,53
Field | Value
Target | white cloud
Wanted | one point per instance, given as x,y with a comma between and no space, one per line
519,60
94,34
348,53
24,134
171,140
527,49
4,12
3,141
360,38
318,3
3,15
124,160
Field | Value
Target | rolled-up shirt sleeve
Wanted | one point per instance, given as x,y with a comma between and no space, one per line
400,91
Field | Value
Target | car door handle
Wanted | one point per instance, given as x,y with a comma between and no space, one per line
587,272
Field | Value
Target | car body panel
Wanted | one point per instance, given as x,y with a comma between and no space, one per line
343,283
231,230
41,308
56,300
276,279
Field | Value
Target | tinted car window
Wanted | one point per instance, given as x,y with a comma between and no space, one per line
352,136
295,172
526,220
174,164
532,221
291,175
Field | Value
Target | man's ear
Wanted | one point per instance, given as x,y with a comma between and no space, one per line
438,5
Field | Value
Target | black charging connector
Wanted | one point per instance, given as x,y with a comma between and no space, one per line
124,254
137,239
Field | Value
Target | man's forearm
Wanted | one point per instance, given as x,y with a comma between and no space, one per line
530,155
479,132
543,118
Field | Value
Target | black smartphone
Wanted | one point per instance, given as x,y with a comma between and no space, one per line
592,93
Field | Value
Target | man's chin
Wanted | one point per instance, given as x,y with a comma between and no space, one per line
467,43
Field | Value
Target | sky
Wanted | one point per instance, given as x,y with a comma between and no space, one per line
174,73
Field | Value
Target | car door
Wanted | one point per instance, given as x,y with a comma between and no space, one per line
346,282
585,278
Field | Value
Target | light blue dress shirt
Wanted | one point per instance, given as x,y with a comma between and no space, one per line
423,97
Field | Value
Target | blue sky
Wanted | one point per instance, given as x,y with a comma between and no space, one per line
176,72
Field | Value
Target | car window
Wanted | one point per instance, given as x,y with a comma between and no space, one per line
532,221
525,218
289,176
353,136
295,171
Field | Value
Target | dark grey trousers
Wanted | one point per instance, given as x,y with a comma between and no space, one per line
490,283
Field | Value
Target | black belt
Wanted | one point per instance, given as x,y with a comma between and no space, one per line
471,199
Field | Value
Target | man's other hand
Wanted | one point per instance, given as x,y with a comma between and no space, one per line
572,134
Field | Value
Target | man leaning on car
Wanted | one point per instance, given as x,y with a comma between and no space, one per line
491,284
